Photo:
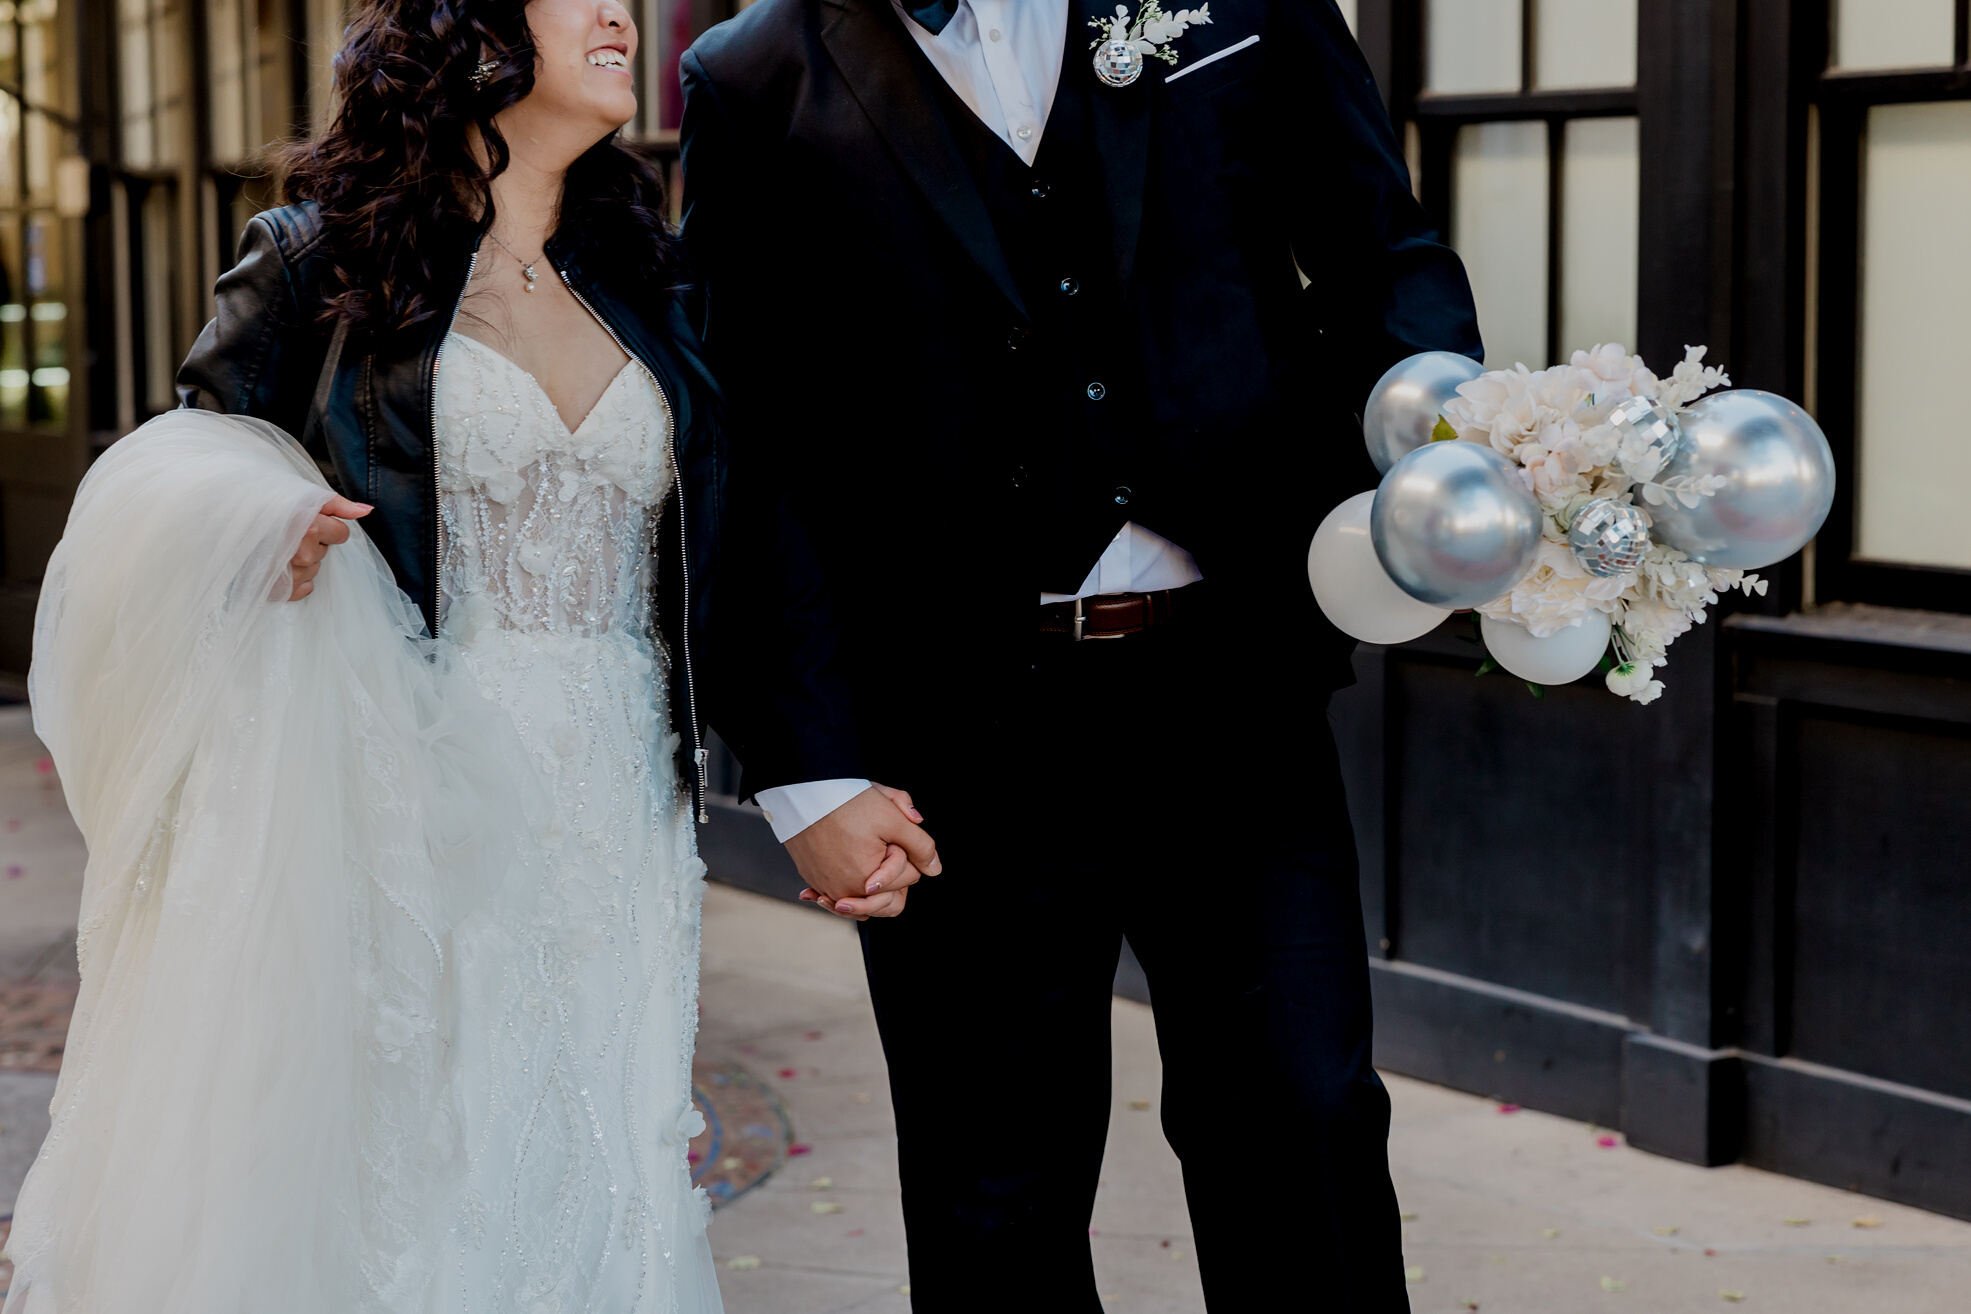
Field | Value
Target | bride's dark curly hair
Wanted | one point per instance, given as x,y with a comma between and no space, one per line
397,162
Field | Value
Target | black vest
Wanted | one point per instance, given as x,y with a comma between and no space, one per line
1076,480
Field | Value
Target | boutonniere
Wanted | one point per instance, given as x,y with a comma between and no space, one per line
1119,54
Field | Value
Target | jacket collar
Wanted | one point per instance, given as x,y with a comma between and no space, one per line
1121,119
880,62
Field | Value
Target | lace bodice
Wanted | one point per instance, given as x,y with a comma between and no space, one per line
549,530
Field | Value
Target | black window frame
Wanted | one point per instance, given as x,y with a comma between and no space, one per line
1438,117
1844,99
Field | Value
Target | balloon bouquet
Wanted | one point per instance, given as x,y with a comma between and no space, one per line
1516,494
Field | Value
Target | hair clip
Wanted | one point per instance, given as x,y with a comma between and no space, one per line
484,73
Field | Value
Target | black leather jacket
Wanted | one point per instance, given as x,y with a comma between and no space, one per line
264,352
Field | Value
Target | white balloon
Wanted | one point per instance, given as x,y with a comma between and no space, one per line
1352,587
1559,659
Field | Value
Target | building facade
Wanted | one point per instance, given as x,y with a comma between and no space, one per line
1735,923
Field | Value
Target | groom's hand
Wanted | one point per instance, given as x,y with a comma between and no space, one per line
861,859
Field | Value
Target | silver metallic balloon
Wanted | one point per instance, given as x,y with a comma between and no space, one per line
1406,401
1779,481
1608,537
1652,420
1453,524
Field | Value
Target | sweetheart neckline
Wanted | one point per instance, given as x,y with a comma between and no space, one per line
545,396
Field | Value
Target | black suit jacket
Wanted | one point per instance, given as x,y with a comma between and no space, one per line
858,308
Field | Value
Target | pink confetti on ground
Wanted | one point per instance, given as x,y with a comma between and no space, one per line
1607,1142
13,824
855,1231
749,1049
797,1150
1709,1251
812,1035
15,871
788,1074
1509,1108
45,765
693,1157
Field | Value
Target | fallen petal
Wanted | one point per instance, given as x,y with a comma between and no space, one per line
821,1183
1414,1273
1612,1284
1868,1220
1726,1293
825,1207
741,1263
800,1149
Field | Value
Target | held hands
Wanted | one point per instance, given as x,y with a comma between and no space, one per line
329,528
861,859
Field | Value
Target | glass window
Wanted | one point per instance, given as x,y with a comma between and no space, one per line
1472,45
1913,441
1893,33
229,77
1584,43
1600,204
150,70
1499,180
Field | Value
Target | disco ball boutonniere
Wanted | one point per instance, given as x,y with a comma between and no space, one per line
1127,42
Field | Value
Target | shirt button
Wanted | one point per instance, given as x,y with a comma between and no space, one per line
1096,392
1123,495
994,34
1023,132
1069,287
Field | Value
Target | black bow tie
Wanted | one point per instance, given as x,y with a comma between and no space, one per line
934,16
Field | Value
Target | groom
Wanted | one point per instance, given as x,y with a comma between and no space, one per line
1030,358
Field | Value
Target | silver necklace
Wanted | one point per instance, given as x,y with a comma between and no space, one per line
526,266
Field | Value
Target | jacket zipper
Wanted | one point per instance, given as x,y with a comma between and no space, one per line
698,753
437,457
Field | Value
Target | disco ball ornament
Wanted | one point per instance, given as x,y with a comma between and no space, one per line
1407,401
1118,63
1778,481
1608,537
1651,420
1454,525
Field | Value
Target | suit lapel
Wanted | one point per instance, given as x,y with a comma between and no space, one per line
880,65
1120,118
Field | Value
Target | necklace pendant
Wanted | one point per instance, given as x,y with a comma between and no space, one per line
528,271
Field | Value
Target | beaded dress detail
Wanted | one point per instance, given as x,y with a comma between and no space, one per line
578,987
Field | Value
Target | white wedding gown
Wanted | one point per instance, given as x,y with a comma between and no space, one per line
389,945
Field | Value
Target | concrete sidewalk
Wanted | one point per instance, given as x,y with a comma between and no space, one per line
1506,1211
1510,1211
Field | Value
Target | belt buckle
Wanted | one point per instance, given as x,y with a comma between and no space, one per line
1080,618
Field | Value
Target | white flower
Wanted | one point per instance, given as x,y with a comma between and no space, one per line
1634,682
690,1123
1555,594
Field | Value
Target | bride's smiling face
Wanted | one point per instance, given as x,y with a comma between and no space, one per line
584,51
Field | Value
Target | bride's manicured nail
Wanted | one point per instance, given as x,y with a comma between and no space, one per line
917,816
874,887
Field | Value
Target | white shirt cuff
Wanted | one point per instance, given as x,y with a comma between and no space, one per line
791,809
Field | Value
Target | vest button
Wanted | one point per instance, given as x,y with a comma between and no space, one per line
1123,495
1069,287
1019,476
1040,191
1016,337
1096,392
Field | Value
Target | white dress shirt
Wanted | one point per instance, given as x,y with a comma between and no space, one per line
1003,59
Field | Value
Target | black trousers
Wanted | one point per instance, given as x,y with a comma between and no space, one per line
1117,800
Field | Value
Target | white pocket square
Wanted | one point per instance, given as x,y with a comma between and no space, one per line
1214,57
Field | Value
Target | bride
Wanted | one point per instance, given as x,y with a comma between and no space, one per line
389,941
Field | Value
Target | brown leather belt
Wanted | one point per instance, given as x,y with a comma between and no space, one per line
1114,615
